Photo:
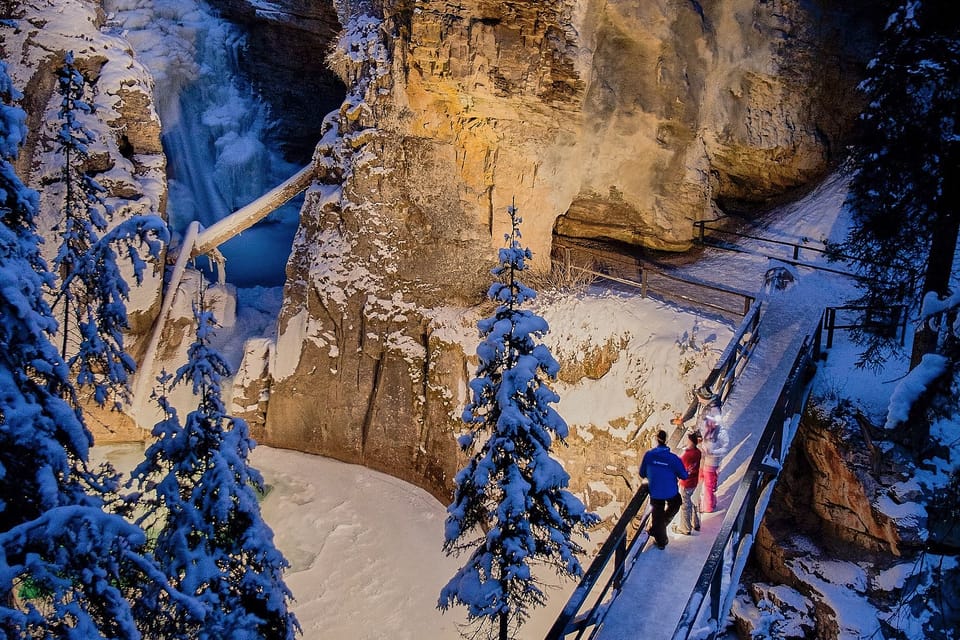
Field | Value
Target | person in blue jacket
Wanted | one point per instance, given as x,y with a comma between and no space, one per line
662,468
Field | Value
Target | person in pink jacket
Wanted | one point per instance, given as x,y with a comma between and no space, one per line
714,446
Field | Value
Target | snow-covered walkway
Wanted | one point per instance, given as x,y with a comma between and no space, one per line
656,591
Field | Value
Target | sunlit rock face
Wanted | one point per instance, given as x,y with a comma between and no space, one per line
619,120
627,120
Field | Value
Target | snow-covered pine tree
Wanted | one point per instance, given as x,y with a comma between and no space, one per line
65,565
905,191
201,505
91,292
511,510
84,207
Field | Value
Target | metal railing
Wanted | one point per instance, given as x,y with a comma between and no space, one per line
732,361
615,559
892,321
796,248
632,271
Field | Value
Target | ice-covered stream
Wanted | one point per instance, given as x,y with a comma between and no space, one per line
216,130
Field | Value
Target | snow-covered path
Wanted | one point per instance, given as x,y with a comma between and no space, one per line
656,592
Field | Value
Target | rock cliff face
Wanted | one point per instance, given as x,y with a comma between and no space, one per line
833,481
618,120
828,538
625,120
126,157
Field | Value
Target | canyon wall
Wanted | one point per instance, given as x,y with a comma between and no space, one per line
624,120
844,529
614,120
126,157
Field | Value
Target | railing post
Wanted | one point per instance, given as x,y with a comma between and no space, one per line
716,587
831,323
903,324
750,510
796,252
818,337
619,557
777,445
643,282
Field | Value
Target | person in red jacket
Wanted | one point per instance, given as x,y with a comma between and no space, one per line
689,515
662,468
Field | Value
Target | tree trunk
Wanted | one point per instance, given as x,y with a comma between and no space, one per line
503,626
915,433
936,279
67,221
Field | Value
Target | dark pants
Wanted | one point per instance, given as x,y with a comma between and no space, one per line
663,513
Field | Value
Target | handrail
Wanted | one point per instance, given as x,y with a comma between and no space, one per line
719,578
732,361
644,272
645,287
616,547
701,238
797,246
793,261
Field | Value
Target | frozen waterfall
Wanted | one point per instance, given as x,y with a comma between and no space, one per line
216,130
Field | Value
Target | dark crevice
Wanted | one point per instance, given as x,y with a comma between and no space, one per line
371,407
425,388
